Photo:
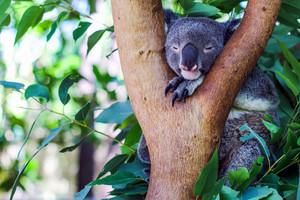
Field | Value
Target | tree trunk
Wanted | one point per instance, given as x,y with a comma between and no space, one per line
182,139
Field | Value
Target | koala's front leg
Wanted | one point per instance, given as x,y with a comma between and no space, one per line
182,88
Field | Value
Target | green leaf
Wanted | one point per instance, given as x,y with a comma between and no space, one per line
55,24
28,134
4,20
28,19
64,87
82,27
39,17
93,39
129,121
294,88
228,194
215,191
73,147
116,113
274,130
287,18
256,193
288,157
289,56
120,177
136,167
130,190
186,4
37,90
134,135
82,193
12,85
54,132
208,176
81,115
21,171
291,142
202,10
4,5
238,176
258,138
113,164
292,76
256,168
294,126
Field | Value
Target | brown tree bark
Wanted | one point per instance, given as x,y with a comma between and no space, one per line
182,139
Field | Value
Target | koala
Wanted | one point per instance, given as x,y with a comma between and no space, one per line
191,46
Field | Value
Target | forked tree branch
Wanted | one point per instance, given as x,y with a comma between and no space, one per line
182,139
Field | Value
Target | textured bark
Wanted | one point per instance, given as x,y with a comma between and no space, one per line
182,139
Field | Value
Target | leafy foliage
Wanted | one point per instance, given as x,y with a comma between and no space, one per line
125,171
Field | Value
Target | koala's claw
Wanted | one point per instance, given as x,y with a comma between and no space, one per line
169,86
185,94
175,96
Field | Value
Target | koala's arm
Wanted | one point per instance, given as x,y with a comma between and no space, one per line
257,93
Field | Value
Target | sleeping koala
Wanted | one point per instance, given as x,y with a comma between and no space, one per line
192,45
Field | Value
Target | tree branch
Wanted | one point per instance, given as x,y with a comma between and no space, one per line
182,139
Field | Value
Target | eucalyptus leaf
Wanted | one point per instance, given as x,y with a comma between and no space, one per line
256,193
208,176
186,4
93,39
136,167
238,176
55,24
293,87
28,19
215,190
82,113
256,168
294,126
12,85
291,58
37,90
292,76
134,135
54,132
254,135
130,190
202,10
21,171
4,20
64,87
82,27
28,134
82,193
228,194
287,159
275,131
291,141
116,113
113,164
120,177
4,5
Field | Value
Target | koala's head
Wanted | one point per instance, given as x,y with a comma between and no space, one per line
193,44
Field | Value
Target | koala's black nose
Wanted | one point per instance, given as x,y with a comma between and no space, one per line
189,56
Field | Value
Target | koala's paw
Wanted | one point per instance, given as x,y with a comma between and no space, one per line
173,84
183,89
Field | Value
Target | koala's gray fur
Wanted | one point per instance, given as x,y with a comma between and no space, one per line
192,46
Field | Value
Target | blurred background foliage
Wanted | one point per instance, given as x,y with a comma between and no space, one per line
58,38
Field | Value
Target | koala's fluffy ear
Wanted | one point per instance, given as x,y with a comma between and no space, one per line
170,17
231,26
